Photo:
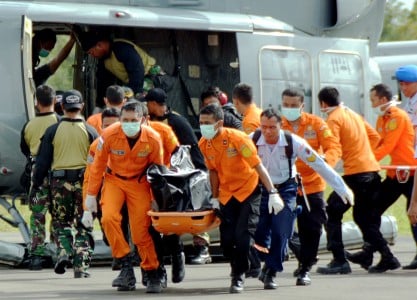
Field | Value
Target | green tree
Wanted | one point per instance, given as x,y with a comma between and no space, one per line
399,22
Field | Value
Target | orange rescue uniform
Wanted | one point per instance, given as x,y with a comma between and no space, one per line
316,132
233,155
96,122
252,119
357,157
126,182
397,139
168,138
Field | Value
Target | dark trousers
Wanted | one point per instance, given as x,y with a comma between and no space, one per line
274,231
310,225
237,230
390,191
365,187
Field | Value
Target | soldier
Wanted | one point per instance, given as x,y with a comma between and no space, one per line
63,151
39,202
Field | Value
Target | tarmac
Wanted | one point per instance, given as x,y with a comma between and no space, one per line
212,281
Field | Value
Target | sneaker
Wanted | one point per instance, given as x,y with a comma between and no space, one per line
202,257
335,267
303,278
81,274
236,284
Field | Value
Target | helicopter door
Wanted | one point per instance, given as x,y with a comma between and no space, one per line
26,59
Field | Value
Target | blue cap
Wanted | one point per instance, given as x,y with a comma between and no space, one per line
407,73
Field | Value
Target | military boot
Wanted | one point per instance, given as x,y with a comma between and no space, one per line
364,258
126,280
62,263
178,268
268,278
35,263
153,284
388,262
202,257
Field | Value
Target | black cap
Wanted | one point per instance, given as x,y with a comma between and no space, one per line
156,94
72,99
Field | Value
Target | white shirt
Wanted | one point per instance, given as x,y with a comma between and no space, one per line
276,162
411,109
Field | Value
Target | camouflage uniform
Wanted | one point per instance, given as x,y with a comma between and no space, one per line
72,238
39,206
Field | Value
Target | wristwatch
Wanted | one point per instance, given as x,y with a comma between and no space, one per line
273,191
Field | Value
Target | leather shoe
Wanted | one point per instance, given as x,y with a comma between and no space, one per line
335,267
303,278
35,263
412,265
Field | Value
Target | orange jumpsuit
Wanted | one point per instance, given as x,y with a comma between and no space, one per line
252,119
168,138
397,139
234,156
96,122
357,157
316,132
126,182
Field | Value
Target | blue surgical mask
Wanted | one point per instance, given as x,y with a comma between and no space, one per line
208,131
43,53
131,128
291,114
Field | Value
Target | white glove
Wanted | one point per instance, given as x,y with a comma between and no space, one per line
275,203
91,203
215,204
348,197
87,219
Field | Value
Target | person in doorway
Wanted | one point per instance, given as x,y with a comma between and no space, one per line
42,43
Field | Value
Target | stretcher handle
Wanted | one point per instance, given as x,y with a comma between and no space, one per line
402,172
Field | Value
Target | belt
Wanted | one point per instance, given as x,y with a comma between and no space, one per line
109,171
288,181
71,175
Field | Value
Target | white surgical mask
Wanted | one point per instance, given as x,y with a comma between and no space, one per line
380,110
208,131
328,110
131,128
291,114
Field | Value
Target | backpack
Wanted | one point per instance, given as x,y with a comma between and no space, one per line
288,149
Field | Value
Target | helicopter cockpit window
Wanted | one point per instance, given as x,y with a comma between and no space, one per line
282,68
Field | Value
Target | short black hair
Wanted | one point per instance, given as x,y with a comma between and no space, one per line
208,93
293,92
212,109
133,105
382,90
45,35
243,92
110,112
329,95
45,95
115,94
270,113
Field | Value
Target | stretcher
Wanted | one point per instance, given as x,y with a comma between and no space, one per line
402,172
193,222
